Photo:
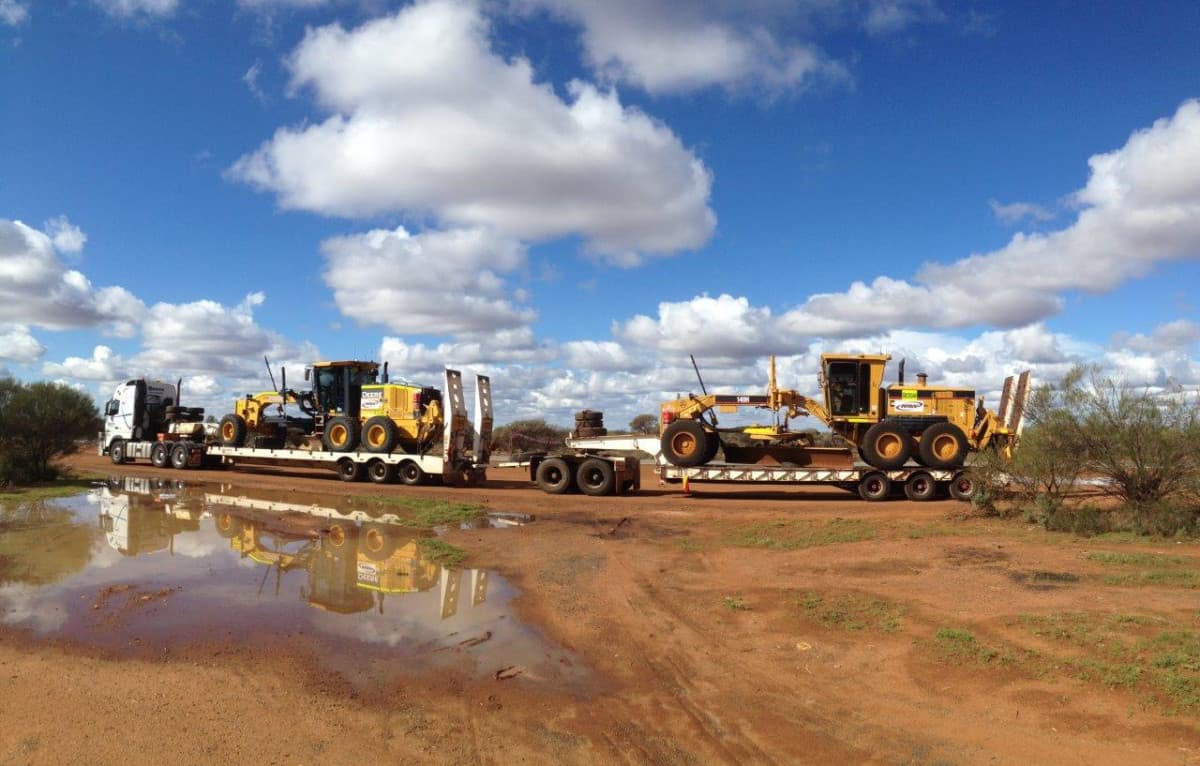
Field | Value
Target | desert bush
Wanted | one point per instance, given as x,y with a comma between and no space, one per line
534,435
1139,446
38,423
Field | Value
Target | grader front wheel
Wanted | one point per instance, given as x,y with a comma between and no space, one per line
685,443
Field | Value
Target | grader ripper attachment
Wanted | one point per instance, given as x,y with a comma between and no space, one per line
887,426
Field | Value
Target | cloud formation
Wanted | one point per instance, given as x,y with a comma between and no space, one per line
13,12
1140,208
428,119
665,47
437,282
127,9
37,289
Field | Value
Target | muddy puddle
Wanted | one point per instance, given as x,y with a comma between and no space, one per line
148,567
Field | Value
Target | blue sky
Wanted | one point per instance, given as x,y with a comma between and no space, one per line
573,195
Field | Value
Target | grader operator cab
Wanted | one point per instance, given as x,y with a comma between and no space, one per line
935,425
349,405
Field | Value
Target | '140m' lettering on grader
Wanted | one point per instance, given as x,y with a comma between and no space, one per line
936,426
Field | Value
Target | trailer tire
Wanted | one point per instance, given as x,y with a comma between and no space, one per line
596,477
116,452
376,542
685,443
963,487
920,487
160,455
341,434
381,472
411,473
227,525
232,431
886,446
348,470
554,476
180,454
379,434
874,486
943,445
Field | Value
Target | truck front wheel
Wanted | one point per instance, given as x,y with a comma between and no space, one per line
116,452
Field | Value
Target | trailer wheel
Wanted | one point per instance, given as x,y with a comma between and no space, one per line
685,443
874,486
411,473
381,472
160,454
943,445
348,470
920,487
376,542
379,434
554,476
886,446
227,525
341,434
116,452
596,477
232,431
179,456
963,487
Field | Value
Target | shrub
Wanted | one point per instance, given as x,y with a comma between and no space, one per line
38,423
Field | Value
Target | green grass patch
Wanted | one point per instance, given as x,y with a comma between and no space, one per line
1109,558
60,488
794,535
442,552
852,612
735,604
1171,578
960,645
1121,651
425,513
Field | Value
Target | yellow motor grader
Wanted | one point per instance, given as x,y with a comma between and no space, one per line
934,425
348,406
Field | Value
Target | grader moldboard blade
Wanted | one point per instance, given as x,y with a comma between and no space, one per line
790,455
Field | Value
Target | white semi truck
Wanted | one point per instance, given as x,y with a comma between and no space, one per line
143,420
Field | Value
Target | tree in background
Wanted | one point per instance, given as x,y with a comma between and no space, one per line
38,423
528,436
644,424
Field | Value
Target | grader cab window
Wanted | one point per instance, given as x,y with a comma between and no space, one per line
849,388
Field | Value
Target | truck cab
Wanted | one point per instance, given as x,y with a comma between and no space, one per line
137,410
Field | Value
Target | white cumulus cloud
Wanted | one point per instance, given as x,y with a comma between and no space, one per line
1140,207
37,289
13,12
664,46
428,119
438,282
104,365
17,345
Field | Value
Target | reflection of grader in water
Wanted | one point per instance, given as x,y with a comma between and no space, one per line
144,515
351,567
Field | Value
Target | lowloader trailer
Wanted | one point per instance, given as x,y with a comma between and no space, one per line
465,447
588,467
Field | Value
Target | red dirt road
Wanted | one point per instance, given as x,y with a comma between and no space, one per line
728,626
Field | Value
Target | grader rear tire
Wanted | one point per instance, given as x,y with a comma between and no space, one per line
943,445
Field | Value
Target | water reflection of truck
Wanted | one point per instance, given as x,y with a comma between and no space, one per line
143,515
352,565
